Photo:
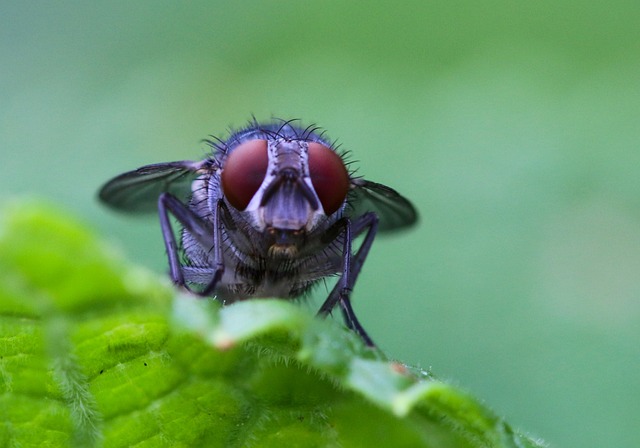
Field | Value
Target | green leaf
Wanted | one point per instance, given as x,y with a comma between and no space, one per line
95,352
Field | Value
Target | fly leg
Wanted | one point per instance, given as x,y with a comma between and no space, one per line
351,266
207,237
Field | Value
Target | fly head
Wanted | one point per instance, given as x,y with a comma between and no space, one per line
285,188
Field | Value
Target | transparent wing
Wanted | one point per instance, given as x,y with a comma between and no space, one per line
393,210
138,190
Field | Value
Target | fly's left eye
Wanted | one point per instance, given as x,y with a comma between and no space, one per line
329,177
244,171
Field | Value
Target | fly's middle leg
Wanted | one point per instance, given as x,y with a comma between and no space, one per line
202,232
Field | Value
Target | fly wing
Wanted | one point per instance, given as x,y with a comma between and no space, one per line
394,211
138,190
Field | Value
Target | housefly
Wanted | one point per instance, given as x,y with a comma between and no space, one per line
272,211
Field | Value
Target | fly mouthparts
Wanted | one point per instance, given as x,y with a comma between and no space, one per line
289,251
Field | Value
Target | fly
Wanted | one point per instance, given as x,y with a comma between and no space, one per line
270,213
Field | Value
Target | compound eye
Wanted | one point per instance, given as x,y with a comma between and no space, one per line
243,172
329,177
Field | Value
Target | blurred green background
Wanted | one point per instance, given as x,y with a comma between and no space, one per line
514,128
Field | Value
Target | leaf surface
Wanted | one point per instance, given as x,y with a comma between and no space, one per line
96,352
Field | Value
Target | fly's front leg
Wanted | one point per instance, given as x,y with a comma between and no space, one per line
217,254
207,237
351,267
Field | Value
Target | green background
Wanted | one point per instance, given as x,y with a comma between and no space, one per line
513,127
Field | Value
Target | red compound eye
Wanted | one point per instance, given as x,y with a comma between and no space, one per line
329,177
243,173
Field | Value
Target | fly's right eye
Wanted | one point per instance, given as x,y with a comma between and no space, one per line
329,176
244,171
